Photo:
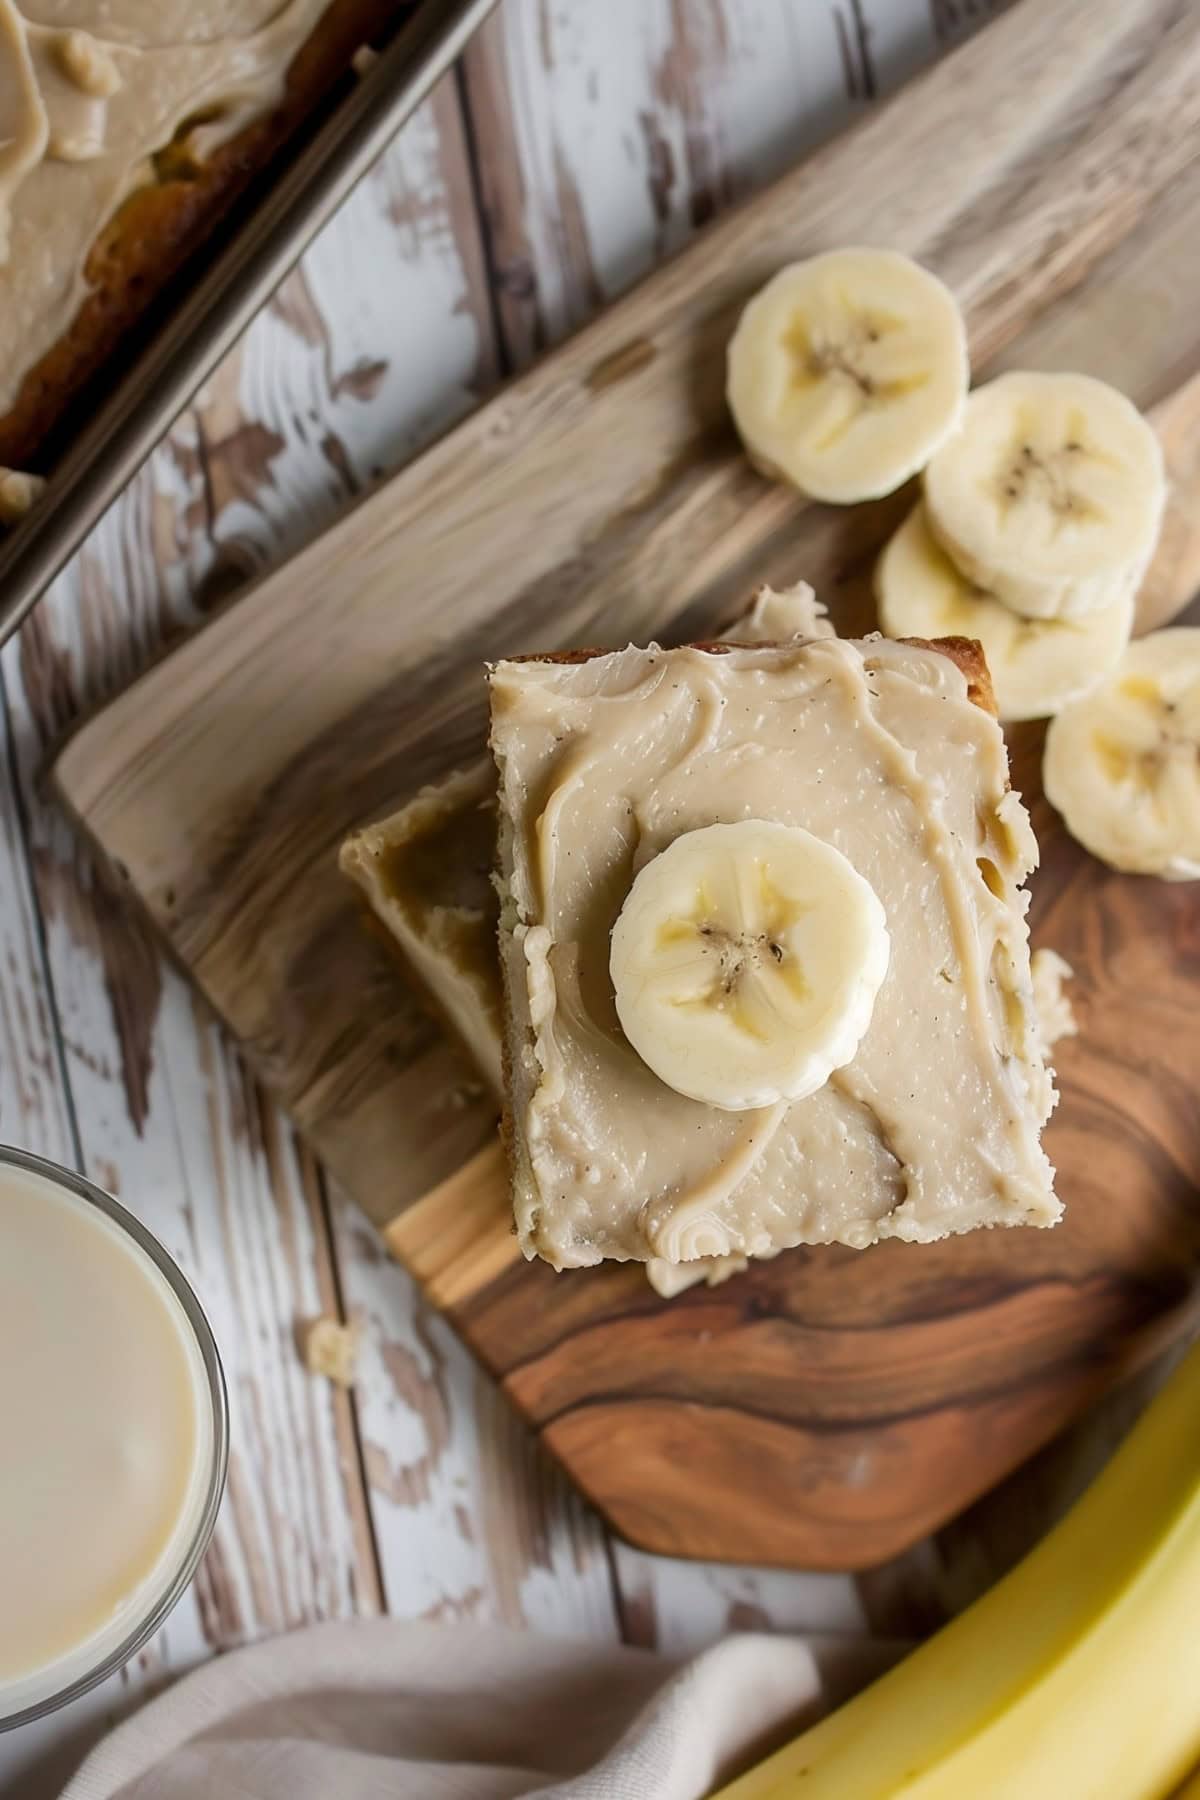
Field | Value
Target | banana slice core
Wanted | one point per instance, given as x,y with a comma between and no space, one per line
746,962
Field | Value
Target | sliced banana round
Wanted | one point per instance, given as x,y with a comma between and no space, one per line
847,371
1037,665
746,961
1051,495
1123,765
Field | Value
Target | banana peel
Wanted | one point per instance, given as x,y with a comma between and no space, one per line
1077,1677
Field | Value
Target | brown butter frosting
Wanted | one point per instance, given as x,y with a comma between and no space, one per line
934,1127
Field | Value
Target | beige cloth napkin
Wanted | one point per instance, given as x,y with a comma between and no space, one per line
380,1710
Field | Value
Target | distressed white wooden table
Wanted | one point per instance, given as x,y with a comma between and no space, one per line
578,144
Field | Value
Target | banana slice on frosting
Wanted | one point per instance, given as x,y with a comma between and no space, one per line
847,371
746,961
1037,665
1122,766
1051,495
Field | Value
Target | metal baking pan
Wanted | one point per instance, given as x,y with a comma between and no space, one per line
157,383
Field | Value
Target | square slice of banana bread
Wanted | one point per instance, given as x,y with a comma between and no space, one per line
890,756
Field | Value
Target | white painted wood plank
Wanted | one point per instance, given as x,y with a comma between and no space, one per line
627,127
471,1521
608,136
680,1608
34,1111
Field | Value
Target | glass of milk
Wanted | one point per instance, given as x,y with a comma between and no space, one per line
113,1435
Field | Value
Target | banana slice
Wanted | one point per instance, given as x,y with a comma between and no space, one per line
1123,765
1037,665
1051,496
746,961
847,371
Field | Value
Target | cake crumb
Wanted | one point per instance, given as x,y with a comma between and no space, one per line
88,65
669,1279
63,148
1055,1016
18,492
331,1350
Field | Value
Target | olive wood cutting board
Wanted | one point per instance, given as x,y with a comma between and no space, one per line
828,1408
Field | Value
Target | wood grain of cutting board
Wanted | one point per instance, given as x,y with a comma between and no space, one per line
829,1408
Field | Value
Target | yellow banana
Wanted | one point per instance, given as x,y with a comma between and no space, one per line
1077,1677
